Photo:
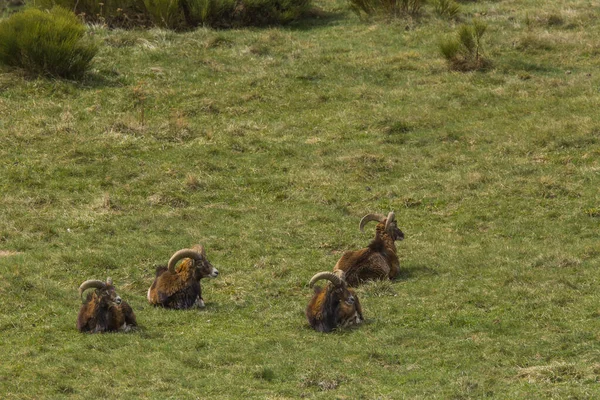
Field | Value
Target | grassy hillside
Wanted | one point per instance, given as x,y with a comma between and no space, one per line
268,146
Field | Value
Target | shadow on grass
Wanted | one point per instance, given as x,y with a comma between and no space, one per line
522,65
414,271
91,80
100,79
316,18
337,331
210,307
153,334
347,330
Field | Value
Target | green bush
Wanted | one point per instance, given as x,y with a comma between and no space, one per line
184,14
210,12
465,51
114,13
46,42
446,8
266,12
165,13
392,8
237,13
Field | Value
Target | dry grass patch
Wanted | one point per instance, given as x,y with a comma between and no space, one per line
552,373
8,253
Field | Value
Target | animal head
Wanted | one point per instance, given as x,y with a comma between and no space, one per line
202,267
343,301
104,290
389,224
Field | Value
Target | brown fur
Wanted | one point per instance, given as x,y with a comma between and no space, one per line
378,261
182,289
333,307
101,313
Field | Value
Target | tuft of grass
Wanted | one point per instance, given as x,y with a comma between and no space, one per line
593,212
531,42
165,13
218,41
388,8
265,374
555,20
553,373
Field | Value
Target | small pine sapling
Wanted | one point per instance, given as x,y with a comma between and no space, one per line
465,51
446,8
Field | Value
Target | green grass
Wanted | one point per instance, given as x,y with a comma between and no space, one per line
268,146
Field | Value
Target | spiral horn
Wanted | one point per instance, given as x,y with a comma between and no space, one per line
181,254
330,276
369,218
92,283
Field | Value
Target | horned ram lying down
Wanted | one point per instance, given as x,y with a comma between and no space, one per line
103,310
334,306
379,260
179,287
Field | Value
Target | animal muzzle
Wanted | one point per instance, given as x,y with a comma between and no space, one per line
354,319
214,273
118,300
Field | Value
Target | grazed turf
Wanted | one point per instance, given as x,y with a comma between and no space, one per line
268,146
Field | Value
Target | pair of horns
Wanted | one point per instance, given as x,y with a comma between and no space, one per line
379,218
337,278
184,253
94,283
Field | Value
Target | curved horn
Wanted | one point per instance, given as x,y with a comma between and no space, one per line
369,218
330,276
92,283
390,218
183,253
340,274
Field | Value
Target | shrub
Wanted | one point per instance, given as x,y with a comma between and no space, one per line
266,12
165,13
210,12
237,13
114,13
446,8
184,14
465,52
391,8
48,43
